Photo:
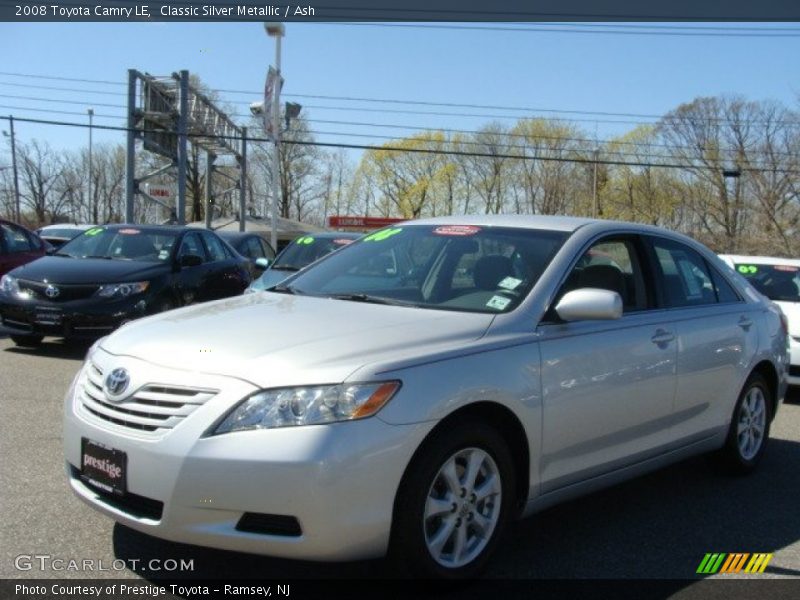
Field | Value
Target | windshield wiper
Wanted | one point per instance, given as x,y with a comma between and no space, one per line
284,289
285,268
98,256
360,297
62,254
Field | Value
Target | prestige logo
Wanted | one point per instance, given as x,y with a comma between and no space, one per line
106,466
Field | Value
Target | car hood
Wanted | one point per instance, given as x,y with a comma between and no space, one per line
792,312
63,270
272,339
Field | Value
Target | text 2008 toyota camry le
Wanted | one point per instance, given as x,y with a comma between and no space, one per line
418,390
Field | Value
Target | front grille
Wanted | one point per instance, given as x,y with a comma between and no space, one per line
132,504
66,292
794,371
264,524
153,408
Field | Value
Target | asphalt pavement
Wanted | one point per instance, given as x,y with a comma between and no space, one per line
658,526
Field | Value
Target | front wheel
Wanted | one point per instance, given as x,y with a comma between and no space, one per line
749,429
453,503
27,341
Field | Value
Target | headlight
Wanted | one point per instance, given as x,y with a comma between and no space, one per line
290,407
122,290
9,284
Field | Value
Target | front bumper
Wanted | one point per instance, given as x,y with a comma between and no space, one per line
90,318
338,481
794,361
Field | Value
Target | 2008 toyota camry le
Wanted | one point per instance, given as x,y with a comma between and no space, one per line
418,390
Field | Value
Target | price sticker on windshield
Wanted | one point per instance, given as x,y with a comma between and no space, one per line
747,269
457,230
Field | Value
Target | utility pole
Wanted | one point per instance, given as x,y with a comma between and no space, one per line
594,186
91,114
277,31
17,214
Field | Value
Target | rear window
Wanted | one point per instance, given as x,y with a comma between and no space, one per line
776,282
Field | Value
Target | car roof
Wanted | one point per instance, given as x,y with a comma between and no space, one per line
332,235
761,260
79,227
549,222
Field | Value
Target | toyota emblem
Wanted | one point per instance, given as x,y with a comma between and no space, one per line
117,382
52,291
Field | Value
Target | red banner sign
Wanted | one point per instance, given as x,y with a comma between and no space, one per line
362,222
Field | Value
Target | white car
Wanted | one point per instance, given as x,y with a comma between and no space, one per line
779,280
417,390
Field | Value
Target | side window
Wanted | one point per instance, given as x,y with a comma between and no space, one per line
611,264
725,293
16,239
215,248
686,279
267,249
191,244
254,249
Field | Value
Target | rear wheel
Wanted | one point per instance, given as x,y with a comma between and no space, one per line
27,341
749,429
453,503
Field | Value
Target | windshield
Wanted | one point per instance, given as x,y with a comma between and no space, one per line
305,250
129,243
776,282
451,267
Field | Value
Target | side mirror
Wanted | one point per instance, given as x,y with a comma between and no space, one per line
588,304
190,260
262,263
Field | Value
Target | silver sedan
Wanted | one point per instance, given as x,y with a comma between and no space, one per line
415,392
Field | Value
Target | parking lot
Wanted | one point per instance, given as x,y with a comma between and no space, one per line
657,526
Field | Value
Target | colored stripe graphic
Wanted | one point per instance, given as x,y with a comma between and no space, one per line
758,563
711,563
734,563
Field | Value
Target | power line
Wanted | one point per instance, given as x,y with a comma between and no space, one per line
257,93
571,29
458,143
578,160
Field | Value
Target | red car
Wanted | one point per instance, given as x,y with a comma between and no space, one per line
18,246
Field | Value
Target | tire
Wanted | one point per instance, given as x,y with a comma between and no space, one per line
164,305
27,341
430,538
749,430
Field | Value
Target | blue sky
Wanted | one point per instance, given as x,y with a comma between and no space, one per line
624,73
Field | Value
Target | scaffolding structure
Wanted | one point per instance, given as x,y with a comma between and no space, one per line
167,114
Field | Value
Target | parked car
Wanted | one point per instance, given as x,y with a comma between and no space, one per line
18,246
779,280
115,273
300,253
386,399
253,247
59,234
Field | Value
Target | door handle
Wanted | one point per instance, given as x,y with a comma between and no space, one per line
745,323
662,337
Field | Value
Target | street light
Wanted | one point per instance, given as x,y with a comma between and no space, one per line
17,214
91,114
276,30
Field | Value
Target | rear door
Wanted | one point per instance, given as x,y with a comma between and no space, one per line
717,337
192,282
18,247
226,274
608,386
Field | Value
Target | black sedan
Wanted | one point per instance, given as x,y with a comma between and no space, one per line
109,275
253,247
